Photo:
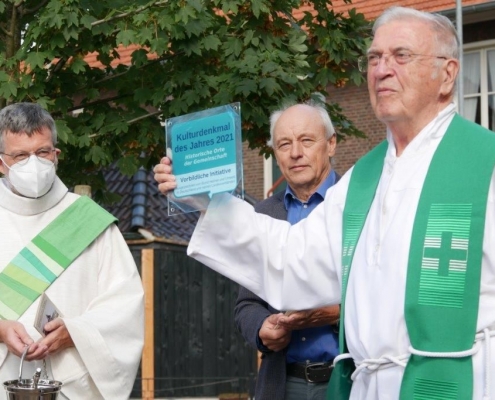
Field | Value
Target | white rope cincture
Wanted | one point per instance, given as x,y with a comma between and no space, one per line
342,356
481,336
447,354
373,364
487,389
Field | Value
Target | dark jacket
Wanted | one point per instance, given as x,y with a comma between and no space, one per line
249,314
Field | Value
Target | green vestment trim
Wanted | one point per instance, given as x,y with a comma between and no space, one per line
442,281
362,188
48,254
444,271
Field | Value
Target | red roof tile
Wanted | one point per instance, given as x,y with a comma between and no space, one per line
373,8
125,57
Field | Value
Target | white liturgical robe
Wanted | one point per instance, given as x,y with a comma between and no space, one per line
299,266
100,297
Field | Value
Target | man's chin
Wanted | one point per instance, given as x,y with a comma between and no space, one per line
386,115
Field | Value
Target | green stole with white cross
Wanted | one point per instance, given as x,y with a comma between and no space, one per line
444,270
49,254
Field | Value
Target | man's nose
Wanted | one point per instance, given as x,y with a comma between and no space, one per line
296,149
384,65
384,62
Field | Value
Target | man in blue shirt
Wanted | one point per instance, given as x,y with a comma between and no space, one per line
297,347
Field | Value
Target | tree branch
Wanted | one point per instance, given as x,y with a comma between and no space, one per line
11,44
99,101
149,64
34,9
131,121
123,15
59,65
9,34
114,76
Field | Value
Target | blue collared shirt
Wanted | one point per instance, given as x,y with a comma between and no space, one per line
311,344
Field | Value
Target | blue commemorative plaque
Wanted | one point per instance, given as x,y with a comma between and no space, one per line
206,153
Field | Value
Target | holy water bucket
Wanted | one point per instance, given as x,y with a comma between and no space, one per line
32,389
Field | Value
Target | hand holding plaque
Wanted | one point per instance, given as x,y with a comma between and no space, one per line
207,157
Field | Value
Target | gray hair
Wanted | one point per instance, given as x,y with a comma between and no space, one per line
446,39
25,118
317,106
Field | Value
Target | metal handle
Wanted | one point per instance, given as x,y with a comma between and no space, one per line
36,378
22,361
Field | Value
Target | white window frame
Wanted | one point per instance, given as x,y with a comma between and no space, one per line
482,47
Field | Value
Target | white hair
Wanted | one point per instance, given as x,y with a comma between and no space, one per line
446,39
325,118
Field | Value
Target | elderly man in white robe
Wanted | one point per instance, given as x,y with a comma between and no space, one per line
94,347
405,238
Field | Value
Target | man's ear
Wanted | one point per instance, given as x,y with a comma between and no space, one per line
2,167
450,72
332,145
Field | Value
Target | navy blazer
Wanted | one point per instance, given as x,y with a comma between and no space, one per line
251,311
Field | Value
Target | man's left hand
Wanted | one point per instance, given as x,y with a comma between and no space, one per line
57,336
310,318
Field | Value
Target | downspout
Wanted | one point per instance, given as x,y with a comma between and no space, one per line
138,217
460,79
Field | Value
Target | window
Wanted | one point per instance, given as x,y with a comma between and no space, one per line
479,83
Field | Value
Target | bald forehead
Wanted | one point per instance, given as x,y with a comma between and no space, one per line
297,115
300,109
405,33
298,122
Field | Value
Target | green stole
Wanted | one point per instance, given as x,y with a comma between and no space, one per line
49,254
443,283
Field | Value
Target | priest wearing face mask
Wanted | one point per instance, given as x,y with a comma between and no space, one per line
63,247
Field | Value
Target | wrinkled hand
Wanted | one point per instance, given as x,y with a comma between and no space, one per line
57,338
163,175
16,338
167,183
310,318
273,335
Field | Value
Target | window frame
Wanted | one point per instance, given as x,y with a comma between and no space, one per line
482,48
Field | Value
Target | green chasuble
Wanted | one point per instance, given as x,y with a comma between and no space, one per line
444,270
49,254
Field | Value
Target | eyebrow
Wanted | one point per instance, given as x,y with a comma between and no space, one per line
27,152
400,48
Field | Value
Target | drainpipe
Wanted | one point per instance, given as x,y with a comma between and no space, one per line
139,199
460,79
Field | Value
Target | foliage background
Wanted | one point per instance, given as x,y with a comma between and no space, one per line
189,55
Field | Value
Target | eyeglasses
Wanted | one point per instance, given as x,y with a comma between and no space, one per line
23,156
397,58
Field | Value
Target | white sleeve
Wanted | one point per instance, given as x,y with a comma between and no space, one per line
291,267
109,334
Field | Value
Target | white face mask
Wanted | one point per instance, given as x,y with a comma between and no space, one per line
32,179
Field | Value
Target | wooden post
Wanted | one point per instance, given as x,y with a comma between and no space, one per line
148,359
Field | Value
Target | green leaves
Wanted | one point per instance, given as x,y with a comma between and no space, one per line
37,59
8,89
126,37
296,44
110,71
260,6
211,42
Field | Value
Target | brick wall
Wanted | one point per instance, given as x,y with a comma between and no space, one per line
356,106
253,172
